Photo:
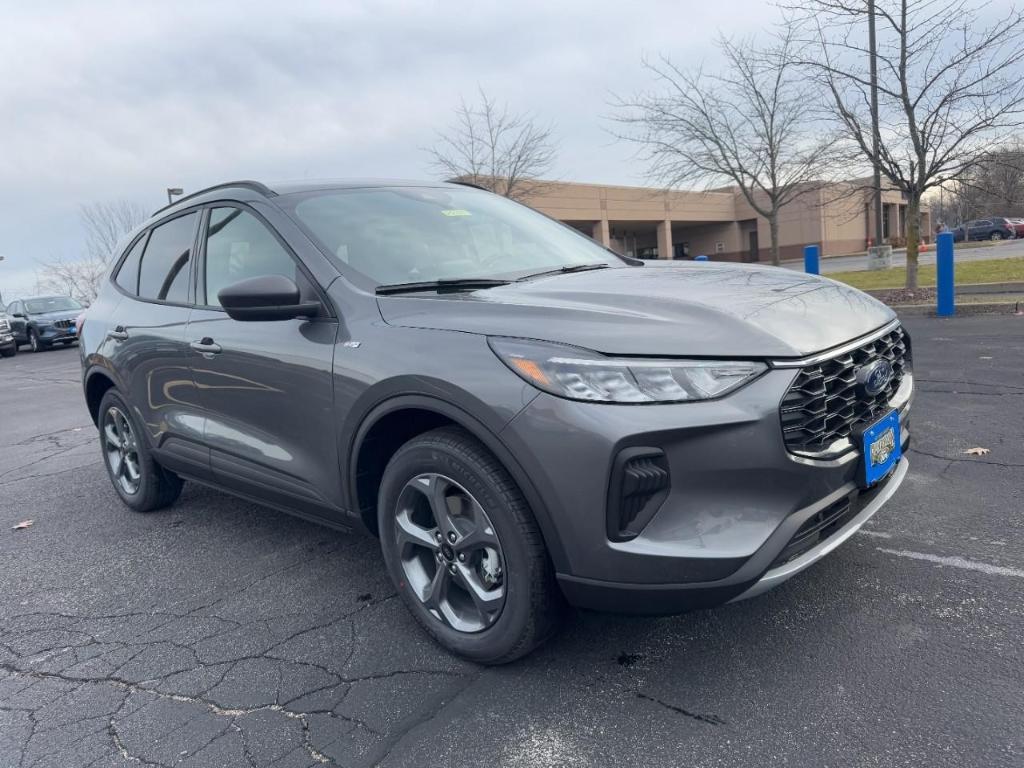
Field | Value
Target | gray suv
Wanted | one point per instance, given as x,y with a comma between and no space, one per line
521,416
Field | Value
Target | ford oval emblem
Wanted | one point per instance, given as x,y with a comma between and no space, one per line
874,377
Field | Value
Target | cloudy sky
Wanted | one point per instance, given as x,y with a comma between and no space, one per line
103,101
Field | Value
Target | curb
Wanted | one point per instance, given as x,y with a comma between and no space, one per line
980,308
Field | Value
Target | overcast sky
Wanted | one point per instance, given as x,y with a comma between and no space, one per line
102,101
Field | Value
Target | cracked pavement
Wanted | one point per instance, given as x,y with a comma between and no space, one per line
218,633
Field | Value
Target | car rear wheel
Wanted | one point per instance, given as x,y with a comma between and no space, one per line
464,550
141,483
997,236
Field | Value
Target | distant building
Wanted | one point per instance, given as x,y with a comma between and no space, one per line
650,223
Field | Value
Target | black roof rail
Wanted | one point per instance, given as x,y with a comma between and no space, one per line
472,184
255,186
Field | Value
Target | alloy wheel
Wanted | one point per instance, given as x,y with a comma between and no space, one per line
121,448
450,553
33,341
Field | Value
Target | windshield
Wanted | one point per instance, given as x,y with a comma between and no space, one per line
51,304
400,235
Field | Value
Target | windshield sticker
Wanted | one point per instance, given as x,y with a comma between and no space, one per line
455,212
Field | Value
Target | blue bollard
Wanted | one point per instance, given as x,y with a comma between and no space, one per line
944,278
811,254
702,257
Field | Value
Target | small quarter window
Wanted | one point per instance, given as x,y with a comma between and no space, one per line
128,274
163,274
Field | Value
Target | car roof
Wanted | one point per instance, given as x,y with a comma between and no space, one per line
250,190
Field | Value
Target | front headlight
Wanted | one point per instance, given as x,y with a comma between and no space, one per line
579,374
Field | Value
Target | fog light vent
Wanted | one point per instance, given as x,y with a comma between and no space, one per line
639,484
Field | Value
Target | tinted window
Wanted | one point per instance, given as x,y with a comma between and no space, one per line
128,274
239,246
164,271
51,304
397,235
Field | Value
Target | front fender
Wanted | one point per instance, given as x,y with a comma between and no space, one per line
480,420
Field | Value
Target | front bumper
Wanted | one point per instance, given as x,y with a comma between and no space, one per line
736,501
50,335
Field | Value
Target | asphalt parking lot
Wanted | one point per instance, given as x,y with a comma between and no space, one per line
217,633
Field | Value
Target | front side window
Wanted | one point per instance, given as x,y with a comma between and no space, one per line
163,274
51,304
128,274
410,234
239,246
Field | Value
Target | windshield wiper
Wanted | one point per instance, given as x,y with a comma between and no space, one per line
451,284
567,269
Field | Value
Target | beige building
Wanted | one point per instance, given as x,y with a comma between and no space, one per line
651,223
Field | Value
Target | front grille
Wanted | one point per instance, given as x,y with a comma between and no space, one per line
823,406
63,323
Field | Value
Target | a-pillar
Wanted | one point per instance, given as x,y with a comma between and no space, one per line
601,233
665,239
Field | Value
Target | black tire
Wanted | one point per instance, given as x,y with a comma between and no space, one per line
533,602
157,487
10,351
997,236
34,342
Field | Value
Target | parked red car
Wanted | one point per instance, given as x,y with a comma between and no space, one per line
1017,225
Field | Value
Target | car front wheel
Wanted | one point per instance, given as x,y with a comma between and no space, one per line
464,550
11,351
33,340
997,236
141,483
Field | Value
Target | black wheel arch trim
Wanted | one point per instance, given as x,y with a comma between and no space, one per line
97,369
471,424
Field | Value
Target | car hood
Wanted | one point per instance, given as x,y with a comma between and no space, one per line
694,309
52,317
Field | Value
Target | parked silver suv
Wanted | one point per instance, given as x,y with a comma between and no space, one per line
521,416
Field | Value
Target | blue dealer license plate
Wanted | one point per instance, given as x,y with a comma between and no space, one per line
881,448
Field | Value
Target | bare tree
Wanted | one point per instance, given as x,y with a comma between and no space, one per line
79,278
105,224
949,88
993,186
494,148
748,125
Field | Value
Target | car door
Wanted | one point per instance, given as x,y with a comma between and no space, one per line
18,321
146,342
266,386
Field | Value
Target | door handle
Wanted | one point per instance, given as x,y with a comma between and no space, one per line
118,334
206,346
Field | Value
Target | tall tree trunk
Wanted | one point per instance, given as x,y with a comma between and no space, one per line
913,237
773,226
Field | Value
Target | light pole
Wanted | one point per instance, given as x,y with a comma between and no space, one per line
879,257
171,192
2,305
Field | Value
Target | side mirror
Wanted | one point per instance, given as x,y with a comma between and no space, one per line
268,297
18,314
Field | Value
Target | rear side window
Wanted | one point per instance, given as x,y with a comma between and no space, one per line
239,246
163,274
128,274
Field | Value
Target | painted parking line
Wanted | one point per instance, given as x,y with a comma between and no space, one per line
876,534
957,562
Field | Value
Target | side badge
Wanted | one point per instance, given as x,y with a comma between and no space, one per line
351,344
